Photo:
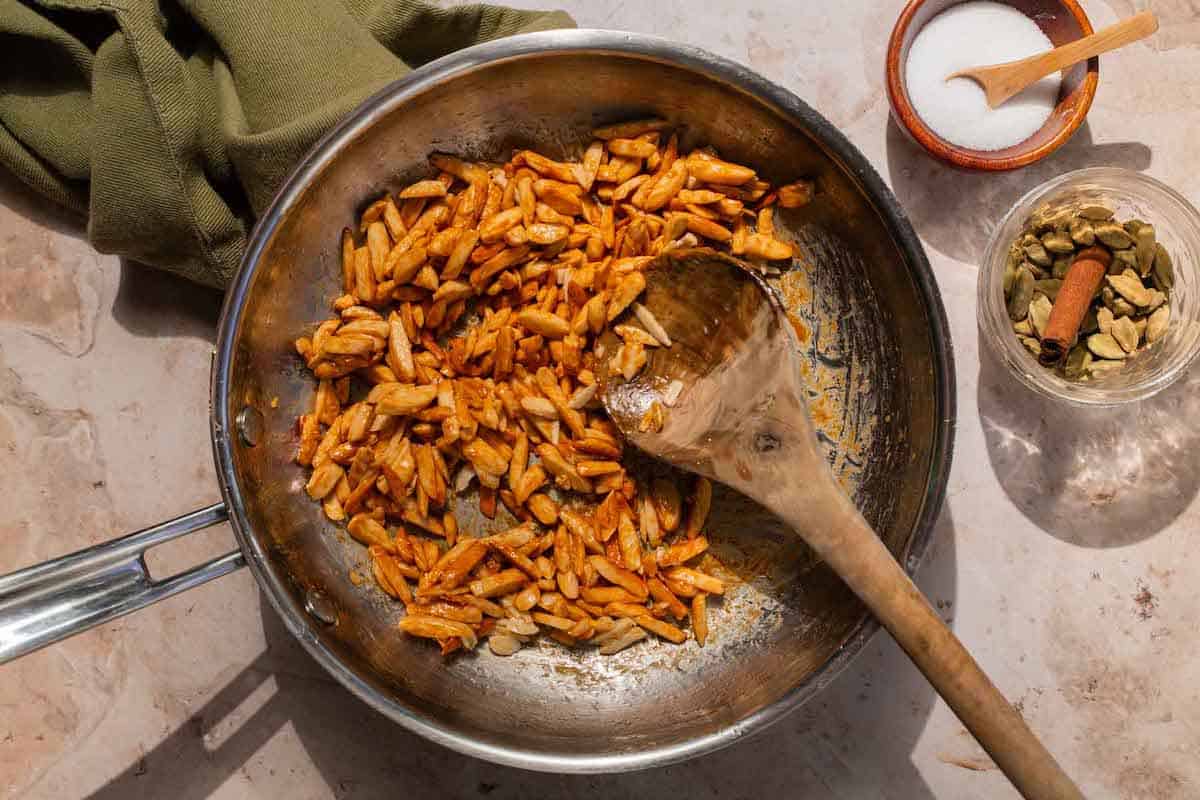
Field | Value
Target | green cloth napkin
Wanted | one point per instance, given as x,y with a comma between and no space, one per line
171,123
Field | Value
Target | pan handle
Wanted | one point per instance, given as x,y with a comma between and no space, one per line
47,602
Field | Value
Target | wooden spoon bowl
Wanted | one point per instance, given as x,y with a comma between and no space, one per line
740,418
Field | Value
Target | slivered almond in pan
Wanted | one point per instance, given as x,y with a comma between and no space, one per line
472,309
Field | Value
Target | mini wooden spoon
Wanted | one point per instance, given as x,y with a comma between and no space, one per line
741,419
1002,81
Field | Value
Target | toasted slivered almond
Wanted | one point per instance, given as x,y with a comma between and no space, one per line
521,625
560,196
527,598
589,469
664,629
348,345
683,242
619,576
564,472
542,233
494,227
388,574
464,171
368,531
632,333
630,130
680,588
653,420
531,480
699,506
462,480
767,247
715,171
544,323
700,618
665,497
552,621
598,446
586,172
682,551
665,188
627,637
348,255
432,627
651,324
629,359
539,407
795,195
543,508
619,643
671,393
699,580
707,228
468,614
546,166
700,197
661,593
581,527
513,537
323,480
503,644
485,458
603,595
629,541
616,629
582,396
423,189
568,584
584,629
451,291
402,399
464,244
403,265
628,289
631,148
502,583
648,525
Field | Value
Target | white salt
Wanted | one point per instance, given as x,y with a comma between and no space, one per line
970,35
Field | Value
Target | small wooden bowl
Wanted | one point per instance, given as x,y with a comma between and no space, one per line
1062,21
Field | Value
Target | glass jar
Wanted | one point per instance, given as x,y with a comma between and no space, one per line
1131,195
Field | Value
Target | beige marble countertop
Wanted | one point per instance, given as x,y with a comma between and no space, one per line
1063,557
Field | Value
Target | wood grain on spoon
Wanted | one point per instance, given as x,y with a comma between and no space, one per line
1002,81
742,419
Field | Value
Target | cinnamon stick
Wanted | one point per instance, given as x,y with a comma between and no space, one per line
1070,307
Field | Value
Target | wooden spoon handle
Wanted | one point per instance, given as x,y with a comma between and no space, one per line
839,534
1019,74
1117,35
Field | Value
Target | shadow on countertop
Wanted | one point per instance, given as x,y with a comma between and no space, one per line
955,211
1104,477
152,302
149,302
853,740
16,196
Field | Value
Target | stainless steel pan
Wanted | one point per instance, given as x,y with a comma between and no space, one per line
878,360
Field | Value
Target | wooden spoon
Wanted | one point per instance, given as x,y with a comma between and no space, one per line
1002,81
741,419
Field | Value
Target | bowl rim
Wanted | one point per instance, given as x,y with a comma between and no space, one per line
565,42
986,285
962,157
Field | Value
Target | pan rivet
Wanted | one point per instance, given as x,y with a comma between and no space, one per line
250,426
320,606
